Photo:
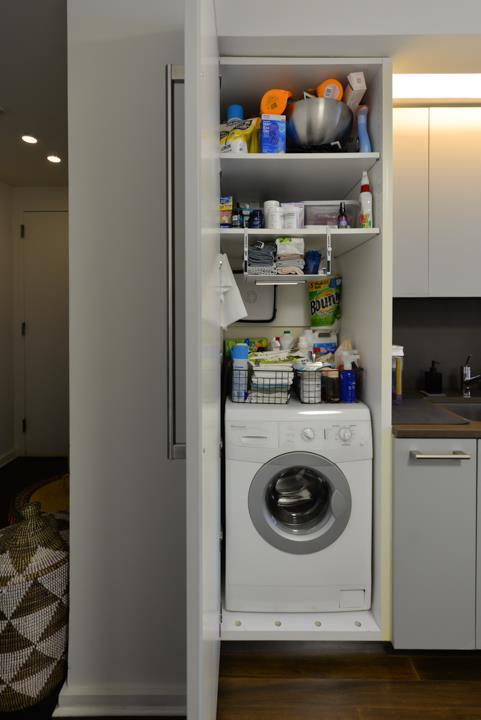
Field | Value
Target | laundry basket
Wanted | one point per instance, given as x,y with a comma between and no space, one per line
261,387
33,610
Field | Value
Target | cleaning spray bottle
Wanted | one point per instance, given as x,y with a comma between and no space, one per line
366,202
362,131
347,380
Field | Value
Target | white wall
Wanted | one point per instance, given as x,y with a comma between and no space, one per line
7,442
127,614
25,200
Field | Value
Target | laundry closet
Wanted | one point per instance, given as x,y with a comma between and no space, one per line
361,256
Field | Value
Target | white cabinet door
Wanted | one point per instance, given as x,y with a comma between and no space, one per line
434,544
203,347
454,184
411,201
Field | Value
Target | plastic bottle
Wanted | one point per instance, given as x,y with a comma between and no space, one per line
347,381
240,365
286,340
275,343
303,344
366,202
362,132
342,221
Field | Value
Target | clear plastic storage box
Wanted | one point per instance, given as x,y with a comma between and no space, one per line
325,212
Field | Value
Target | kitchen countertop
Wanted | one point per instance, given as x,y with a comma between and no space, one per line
419,417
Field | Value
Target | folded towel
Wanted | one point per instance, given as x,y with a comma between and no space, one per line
289,271
290,245
276,398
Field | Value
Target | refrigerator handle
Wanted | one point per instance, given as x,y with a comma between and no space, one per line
175,451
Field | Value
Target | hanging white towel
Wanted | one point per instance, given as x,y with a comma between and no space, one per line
232,307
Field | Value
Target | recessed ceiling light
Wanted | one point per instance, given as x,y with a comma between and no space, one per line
53,158
29,139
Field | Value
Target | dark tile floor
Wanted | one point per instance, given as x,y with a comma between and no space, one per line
346,681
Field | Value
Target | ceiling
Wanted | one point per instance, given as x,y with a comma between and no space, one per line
33,91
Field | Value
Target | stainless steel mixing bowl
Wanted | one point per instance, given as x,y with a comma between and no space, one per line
317,121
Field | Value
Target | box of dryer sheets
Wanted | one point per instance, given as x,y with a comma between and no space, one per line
273,134
355,90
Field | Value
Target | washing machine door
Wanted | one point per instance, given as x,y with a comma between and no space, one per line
300,502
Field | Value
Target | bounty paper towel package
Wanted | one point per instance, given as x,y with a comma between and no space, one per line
324,298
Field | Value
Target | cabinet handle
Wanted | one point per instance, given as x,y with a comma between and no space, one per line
455,455
175,450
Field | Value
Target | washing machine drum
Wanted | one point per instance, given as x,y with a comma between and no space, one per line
300,502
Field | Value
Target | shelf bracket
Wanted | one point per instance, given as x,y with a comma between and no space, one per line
326,272
246,250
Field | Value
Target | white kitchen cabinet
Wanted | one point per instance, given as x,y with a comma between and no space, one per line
436,177
434,544
411,201
454,182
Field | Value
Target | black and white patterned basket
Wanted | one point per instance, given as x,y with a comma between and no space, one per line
33,609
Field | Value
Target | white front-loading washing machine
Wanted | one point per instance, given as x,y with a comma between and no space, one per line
298,519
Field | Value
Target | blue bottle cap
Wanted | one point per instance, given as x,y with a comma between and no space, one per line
240,351
235,112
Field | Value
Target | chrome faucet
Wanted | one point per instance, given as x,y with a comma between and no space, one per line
467,378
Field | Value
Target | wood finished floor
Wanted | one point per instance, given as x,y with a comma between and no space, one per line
346,681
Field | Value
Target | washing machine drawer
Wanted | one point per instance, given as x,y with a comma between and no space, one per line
252,435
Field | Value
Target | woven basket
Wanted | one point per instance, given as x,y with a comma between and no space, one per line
33,610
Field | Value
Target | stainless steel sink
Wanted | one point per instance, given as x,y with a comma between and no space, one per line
468,410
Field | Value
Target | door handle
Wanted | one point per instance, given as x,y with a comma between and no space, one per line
175,450
455,455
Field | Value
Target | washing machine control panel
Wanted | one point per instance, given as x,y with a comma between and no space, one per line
308,434
348,438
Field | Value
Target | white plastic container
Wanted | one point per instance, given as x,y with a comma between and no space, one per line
286,340
291,216
274,218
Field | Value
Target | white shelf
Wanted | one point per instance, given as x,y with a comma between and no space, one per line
343,626
343,240
293,176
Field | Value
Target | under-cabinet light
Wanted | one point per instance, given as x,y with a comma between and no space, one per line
437,86
29,139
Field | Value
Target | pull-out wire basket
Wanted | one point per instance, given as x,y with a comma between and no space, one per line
308,387
259,386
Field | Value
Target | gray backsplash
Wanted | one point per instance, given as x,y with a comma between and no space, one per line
444,329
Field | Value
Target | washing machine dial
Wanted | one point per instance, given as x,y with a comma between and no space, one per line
345,434
308,434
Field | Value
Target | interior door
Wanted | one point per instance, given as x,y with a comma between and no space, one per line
46,333
203,345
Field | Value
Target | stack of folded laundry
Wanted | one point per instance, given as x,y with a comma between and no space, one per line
290,256
270,383
262,259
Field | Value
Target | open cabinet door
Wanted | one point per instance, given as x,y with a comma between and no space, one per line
203,346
